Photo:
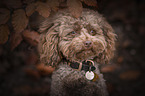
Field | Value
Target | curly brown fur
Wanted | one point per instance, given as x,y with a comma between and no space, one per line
76,39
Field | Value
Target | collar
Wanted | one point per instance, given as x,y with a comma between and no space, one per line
87,65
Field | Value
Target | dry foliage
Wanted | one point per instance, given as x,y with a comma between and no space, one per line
31,37
4,33
4,15
43,9
30,9
54,4
19,20
109,68
15,40
75,7
130,75
32,72
28,1
20,12
45,70
90,2
13,3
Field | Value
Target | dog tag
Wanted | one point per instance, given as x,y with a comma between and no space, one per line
90,75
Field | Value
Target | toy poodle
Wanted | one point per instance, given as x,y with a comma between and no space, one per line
76,47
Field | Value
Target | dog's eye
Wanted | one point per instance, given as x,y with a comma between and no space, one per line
73,32
93,32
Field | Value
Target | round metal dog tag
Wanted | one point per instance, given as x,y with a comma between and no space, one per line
89,75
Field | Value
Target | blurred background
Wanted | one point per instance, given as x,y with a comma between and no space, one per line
21,74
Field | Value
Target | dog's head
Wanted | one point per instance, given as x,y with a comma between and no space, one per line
76,39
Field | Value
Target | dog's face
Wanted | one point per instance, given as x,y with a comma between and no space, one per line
81,41
76,39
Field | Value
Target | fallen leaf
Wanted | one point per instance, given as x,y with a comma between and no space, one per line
27,1
126,43
30,9
53,4
31,37
61,0
45,70
43,9
15,40
22,89
4,34
110,87
32,72
120,59
108,68
75,7
90,2
32,58
63,5
4,15
19,20
13,4
130,75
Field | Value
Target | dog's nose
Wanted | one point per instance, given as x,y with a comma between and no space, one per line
87,44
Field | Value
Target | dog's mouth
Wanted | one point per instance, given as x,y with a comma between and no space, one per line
85,54
85,51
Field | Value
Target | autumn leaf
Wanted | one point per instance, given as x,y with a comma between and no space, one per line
30,9
75,7
90,2
4,33
61,1
43,9
4,15
130,75
45,70
109,68
13,3
120,59
32,58
53,4
32,72
19,20
27,1
31,37
22,89
15,40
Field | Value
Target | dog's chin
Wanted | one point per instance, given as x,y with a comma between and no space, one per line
85,55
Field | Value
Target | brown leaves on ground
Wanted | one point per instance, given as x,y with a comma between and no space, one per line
29,90
31,37
109,68
75,7
28,1
19,20
30,9
32,58
43,9
4,34
130,75
90,2
13,3
45,70
53,4
32,72
4,15
120,59
15,40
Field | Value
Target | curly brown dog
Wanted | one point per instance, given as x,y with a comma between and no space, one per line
76,46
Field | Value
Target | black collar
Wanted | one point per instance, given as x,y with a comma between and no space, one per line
87,65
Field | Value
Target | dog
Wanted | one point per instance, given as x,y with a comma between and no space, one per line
76,47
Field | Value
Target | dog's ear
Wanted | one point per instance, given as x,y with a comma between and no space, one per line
110,37
48,45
